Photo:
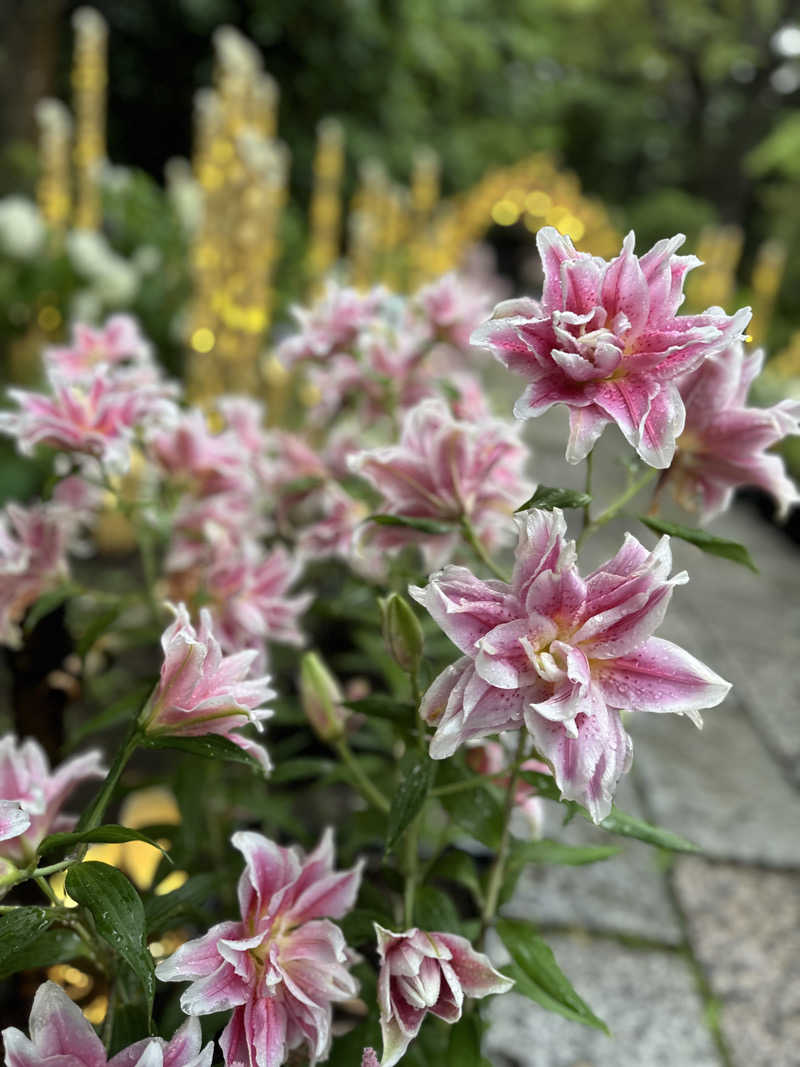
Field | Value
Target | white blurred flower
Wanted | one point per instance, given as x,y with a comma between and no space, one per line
22,228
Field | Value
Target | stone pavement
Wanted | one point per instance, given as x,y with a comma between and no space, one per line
692,961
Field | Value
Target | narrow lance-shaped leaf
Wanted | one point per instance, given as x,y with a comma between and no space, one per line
110,834
210,746
702,539
547,497
429,526
409,797
539,977
118,915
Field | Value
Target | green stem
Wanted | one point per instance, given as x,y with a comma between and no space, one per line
367,789
617,505
477,546
411,870
93,815
498,870
587,507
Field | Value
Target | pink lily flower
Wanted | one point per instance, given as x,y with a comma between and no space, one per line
96,415
425,972
61,1036
606,341
28,783
250,604
724,443
446,470
118,341
283,965
562,655
454,306
200,691
330,325
33,559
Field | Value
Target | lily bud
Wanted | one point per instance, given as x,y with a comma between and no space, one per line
322,698
401,632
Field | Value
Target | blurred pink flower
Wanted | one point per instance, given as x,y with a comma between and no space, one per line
329,325
27,780
447,470
607,342
200,691
61,1036
205,462
117,341
425,972
33,559
369,1059
250,602
454,305
283,966
562,655
723,445
206,529
97,416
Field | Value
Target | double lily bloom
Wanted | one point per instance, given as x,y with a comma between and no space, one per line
446,470
201,691
724,443
283,965
62,1037
606,340
425,972
562,656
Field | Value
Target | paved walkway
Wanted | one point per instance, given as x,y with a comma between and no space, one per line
692,961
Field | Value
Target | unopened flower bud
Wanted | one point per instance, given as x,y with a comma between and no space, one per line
401,632
322,698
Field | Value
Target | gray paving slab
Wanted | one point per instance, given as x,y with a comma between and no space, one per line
625,894
719,787
647,998
744,926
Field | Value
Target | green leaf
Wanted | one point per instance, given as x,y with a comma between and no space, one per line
49,602
96,628
702,539
479,812
429,526
358,925
100,835
51,946
617,822
381,706
18,929
538,976
458,867
435,910
464,1046
546,498
167,911
118,915
210,746
546,851
418,772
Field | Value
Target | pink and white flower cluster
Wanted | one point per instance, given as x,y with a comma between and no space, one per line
283,965
562,656
32,794
60,1036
